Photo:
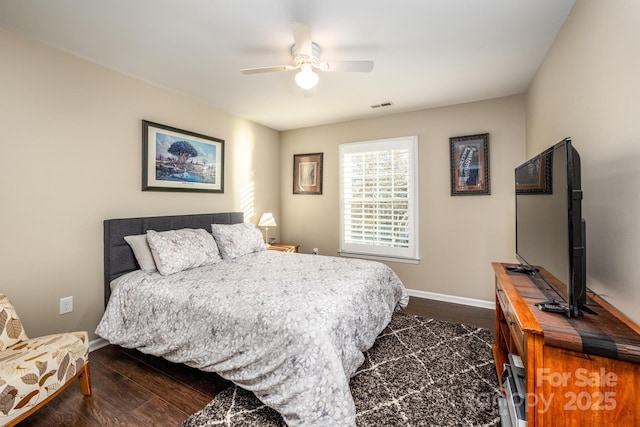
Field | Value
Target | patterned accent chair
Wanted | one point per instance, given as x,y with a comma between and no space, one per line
34,371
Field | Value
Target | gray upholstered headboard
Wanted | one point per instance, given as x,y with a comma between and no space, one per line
118,256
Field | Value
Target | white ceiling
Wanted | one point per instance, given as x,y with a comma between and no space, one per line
427,53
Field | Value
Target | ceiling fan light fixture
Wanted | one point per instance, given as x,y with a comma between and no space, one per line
306,78
305,56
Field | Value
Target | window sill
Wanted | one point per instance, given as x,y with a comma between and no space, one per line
379,257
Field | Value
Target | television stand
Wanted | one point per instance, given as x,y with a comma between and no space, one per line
584,307
578,371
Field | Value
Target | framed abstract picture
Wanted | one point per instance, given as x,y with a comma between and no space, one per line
307,173
178,160
469,165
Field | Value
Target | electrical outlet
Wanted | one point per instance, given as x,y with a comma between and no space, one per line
315,251
66,305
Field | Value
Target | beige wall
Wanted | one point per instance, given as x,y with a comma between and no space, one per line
71,157
588,87
459,236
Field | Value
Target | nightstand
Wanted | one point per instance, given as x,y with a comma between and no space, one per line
283,247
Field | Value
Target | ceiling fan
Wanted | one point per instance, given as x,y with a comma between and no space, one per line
306,58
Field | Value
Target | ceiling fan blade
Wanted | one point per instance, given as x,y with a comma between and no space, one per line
302,39
357,66
267,69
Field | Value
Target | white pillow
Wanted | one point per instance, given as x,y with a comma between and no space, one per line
141,251
178,250
235,240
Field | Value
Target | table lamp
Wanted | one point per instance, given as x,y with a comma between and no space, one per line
266,221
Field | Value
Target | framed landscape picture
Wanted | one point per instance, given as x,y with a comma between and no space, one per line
469,157
307,173
178,160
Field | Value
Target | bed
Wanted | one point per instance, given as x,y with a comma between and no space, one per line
291,328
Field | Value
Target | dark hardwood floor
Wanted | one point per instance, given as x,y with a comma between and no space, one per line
133,389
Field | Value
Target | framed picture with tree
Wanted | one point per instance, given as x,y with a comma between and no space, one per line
178,160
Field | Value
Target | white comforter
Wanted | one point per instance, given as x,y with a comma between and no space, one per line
292,328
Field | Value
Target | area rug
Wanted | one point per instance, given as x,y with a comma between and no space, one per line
420,372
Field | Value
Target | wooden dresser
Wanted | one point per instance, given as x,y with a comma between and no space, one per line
579,371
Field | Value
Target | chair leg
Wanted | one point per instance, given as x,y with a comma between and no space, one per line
85,380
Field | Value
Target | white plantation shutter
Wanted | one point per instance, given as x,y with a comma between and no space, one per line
379,206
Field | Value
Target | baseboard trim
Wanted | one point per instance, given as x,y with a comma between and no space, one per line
97,344
452,299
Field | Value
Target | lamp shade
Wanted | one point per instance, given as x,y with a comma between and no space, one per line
267,220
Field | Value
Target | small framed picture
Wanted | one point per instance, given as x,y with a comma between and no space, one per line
469,165
307,173
178,160
534,177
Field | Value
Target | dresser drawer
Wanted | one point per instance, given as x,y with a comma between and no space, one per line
516,333
515,336
502,297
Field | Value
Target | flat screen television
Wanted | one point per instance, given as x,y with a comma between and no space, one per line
550,231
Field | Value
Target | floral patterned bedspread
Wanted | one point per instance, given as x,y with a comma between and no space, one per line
292,328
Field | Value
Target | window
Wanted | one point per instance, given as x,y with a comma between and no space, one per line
379,199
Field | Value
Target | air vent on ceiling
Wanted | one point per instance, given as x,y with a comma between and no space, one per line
384,104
